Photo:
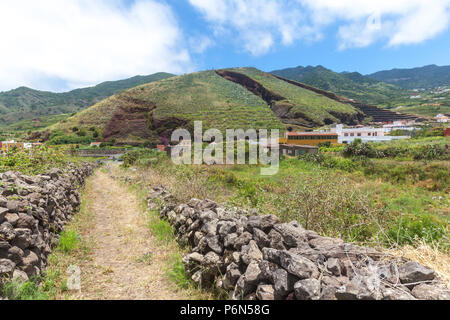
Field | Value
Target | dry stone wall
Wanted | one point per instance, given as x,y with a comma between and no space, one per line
33,211
258,257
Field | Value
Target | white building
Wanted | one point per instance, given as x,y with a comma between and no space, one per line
366,134
406,125
442,118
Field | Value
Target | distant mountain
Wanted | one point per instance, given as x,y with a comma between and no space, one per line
352,85
24,103
424,77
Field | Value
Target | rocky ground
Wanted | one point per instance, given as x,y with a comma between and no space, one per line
257,257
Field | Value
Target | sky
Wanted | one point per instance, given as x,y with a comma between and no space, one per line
59,45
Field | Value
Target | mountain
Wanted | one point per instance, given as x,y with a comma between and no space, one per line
430,76
238,98
26,104
352,85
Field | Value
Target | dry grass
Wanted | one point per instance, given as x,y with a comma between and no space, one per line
427,255
119,258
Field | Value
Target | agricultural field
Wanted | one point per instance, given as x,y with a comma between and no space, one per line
315,106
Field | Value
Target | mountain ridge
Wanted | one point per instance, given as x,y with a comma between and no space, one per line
25,103
428,76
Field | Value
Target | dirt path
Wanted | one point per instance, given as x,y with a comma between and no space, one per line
127,263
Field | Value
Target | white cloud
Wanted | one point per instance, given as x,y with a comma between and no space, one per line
261,25
200,44
400,22
255,24
47,44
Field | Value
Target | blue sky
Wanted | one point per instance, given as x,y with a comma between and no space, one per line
61,45
375,57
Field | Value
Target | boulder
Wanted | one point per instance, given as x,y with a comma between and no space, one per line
3,212
298,266
292,233
426,291
265,292
242,240
214,244
413,272
232,275
307,289
251,253
283,283
6,267
261,238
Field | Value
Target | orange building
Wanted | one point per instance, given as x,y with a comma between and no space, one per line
7,146
309,138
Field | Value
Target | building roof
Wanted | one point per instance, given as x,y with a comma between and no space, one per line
311,133
299,146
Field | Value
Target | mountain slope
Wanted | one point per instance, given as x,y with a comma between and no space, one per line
151,111
351,85
25,103
240,98
424,77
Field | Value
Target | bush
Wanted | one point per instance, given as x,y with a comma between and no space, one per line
358,148
411,228
29,290
143,155
32,161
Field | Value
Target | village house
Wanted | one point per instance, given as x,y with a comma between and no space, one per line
6,146
442,118
407,125
96,144
366,134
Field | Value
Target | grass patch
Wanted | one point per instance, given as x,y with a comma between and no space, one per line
177,272
29,290
69,241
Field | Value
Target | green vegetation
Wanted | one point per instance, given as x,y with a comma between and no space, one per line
20,106
350,85
417,149
388,89
424,77
176,102
29,290
313,105
177,273
68,241
35,160
356,198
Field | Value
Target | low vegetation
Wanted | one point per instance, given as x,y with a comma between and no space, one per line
335,196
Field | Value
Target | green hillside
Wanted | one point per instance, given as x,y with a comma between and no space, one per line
26,104
148,112
301,106
424,77
351,85
145,113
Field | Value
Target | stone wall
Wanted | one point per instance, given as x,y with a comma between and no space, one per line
257,257
33,211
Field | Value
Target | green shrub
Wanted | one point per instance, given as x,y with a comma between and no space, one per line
358,148
68,241
411,228
29,290
32,161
